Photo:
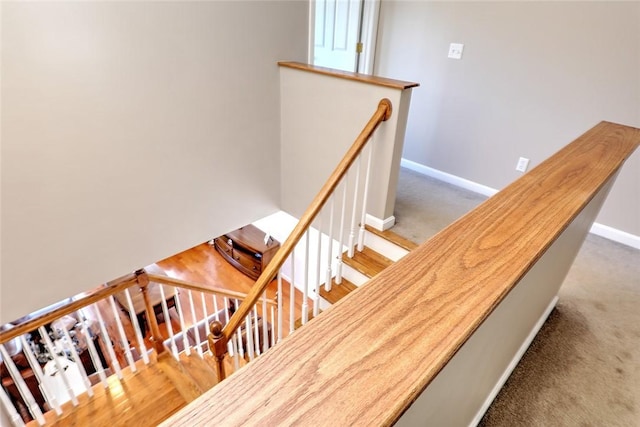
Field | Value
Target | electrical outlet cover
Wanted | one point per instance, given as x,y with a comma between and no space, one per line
522,165
455,50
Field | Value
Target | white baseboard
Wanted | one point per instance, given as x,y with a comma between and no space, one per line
514,362
602,230
615,235
448,178
380,224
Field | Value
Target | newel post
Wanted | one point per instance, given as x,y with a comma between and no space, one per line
218,345
156,337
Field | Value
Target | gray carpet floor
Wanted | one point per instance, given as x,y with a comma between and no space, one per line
583,368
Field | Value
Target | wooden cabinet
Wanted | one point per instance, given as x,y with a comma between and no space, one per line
245,249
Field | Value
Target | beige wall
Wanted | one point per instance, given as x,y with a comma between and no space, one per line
132,131
321,116
534,75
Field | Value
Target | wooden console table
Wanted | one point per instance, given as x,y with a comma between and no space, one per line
245,249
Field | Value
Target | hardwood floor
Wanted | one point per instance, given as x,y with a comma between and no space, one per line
205,266
124,403
202,265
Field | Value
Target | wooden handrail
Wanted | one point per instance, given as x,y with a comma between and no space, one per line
201,288
111,288
382,113
382,345
349,75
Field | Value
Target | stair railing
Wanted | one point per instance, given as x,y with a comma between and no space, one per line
316,220
41,347
54,357
254,338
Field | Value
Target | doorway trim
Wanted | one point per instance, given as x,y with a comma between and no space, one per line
370,12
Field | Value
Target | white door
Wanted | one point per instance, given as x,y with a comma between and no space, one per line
337,33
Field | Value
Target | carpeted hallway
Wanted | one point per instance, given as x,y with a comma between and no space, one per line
583,368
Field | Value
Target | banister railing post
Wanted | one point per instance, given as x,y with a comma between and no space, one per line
143,282
218,345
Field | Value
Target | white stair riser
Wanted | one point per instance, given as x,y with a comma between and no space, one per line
383,246
353,275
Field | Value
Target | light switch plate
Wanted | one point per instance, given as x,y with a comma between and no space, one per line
455,50
523,164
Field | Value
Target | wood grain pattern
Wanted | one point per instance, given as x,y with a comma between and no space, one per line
143,398
364,78
337,292
367,262
406,323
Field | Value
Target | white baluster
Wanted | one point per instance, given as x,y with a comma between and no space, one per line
345,184
136,328
273,325
256,330
215,307
354,209
305,280
236,355
123,337
195,320
37,369
107,341
16,419
292,294
316,289
280,303
204,312
167,321
249,335
183,328
22,386
364,198
95,358
206,321
329,248
238,331
61,370
265,323
230,348
76,359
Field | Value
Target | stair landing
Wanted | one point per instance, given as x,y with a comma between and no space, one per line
144,398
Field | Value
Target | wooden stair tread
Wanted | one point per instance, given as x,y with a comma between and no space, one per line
179,375
199,370
142,398
393,238
338,291
367,262
229,363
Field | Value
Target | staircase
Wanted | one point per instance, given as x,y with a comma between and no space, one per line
254,322
142,398
381,249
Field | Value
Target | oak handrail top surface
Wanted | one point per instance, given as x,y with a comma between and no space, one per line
349,75
366,359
